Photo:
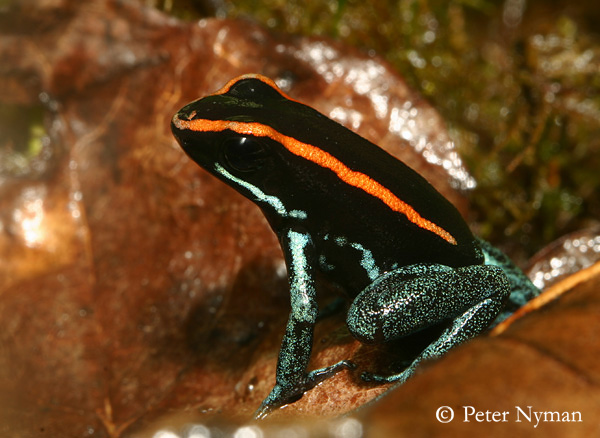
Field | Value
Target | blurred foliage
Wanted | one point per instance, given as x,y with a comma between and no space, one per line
517,81
21,155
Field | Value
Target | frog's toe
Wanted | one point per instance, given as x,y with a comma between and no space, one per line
371,377
262,412
317,376
394,378
276,399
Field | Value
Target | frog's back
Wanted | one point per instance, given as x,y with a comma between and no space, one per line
358,189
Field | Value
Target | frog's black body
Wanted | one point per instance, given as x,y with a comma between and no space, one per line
345,207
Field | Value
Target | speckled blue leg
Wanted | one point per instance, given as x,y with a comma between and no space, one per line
292,378
408,299
521,287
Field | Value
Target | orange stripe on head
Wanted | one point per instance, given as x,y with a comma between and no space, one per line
323,159
225,89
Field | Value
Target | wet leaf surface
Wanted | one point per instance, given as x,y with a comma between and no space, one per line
565,256
138,292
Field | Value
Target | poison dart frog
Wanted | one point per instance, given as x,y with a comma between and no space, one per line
346,209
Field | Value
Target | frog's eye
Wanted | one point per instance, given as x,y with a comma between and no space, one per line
244,153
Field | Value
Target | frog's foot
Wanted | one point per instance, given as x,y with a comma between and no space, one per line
378,378
282,395
399,378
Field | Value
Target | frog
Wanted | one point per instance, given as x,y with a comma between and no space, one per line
346,210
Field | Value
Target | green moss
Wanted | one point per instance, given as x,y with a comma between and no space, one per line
22,136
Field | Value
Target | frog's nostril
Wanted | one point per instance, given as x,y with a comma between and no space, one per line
186,116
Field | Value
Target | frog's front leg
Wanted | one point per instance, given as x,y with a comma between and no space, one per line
409,299
292,378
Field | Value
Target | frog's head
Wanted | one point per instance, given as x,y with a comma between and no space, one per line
237,134
225,128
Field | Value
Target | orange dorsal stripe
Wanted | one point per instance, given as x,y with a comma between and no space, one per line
323,159
268,81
